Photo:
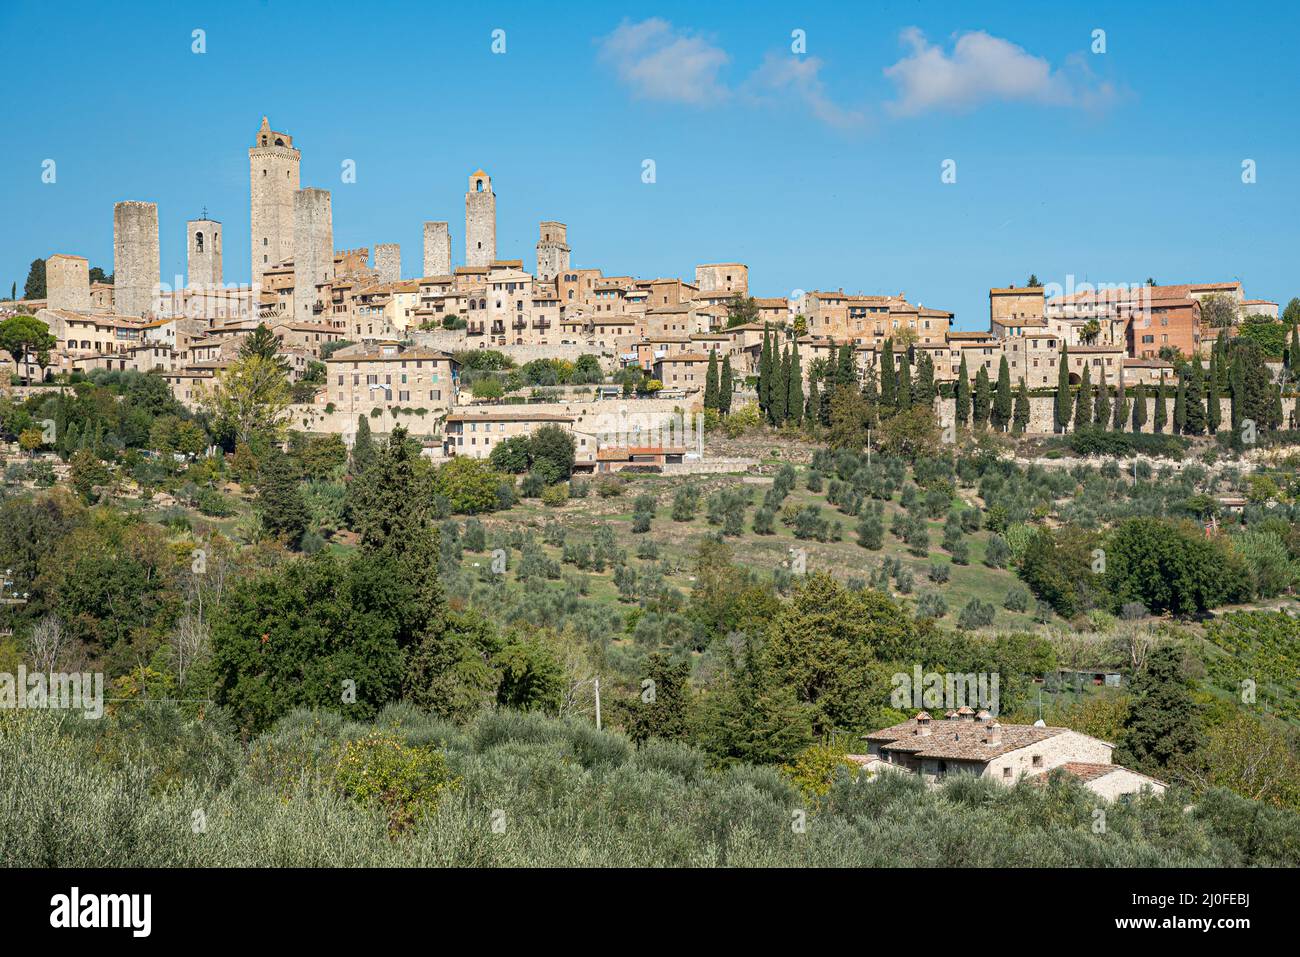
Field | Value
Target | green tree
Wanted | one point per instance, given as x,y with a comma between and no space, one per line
1139,407
34,288
1083,401
794,386
1002,399
726,386
279,498
266,344
1063,405
1020,417
888,377
711,381
26,339
963,394
1163,725
1194,421
249,399
660,710
1101,404
741,310
981,405
1160,419
532,678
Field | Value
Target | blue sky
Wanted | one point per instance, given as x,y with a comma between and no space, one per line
818,169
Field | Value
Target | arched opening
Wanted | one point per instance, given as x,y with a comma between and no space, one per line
478,186
198,242
1074,378
278,141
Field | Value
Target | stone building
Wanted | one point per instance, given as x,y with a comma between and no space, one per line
969,743
67,282
722,277
136,265
313,257
437,250
475,434
388,262
369,376
273,164
203,253
480,221
552,250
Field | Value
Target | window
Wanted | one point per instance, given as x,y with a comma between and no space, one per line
1038,760
1006,772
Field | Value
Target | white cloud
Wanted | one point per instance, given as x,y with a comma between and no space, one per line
658,62
792,76
981,68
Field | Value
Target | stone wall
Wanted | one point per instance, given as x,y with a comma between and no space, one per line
437,249
313,255
552,250
136,266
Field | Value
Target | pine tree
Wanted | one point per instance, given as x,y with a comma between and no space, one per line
1020,417
963,393
711,381
904,384
1002,400
726,386
794,401
888,381
1083,401
1101,401
1194,402
1139,406
981,406
1063,391
1161,418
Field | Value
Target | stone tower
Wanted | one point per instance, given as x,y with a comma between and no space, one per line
437,249
388,262
67,282
480,221
552,250
136,269
273,181
203,254
313,248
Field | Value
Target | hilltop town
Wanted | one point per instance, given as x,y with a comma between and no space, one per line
376,342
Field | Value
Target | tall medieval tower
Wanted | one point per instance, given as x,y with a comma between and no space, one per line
480,221
552,250
273,180
437,249
313,251
203,254
136,269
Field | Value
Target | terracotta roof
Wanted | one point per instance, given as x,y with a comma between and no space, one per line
960,740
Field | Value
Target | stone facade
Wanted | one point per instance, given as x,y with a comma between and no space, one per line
388,262
480,221
273,164
203,253
722,277
313,257
135,257
67,282
552,250
437,250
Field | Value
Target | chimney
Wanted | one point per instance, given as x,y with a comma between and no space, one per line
965,713
922,724
983,716
993,734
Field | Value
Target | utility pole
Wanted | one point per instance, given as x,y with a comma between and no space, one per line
597,702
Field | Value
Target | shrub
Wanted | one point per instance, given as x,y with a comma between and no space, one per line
405,782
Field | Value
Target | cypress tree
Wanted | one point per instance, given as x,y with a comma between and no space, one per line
1083,401
726,386
1213,407
983,398
794,384
279,499
888,382
1101,402
963,393
1162,724
780,395
1161,418
904,385
1194,402
765,373
1275,408
1139,407
363,447
846,370
1180,405
1020,417
1063,391
1002,400
1121,402
711,381
924,385
812,405
872,394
